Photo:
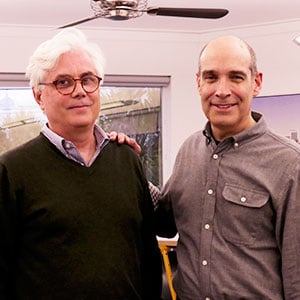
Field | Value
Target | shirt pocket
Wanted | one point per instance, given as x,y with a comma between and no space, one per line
243,213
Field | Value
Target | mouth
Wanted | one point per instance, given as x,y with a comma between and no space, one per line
79,106
223,106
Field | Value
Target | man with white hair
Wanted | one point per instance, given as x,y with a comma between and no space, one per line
76,218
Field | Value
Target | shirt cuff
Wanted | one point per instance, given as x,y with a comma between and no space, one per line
155,194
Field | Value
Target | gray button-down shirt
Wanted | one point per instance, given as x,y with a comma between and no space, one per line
237,210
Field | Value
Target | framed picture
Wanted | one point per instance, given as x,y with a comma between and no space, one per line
282,113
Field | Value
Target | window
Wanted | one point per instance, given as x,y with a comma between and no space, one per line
129,104
281,113
136,111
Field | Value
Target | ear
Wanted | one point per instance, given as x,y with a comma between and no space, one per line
257,84
198,80
38,98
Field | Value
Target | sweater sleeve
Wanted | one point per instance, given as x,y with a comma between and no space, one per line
151,265
7,237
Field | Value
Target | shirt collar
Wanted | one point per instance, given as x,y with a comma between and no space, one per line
63,145
250,133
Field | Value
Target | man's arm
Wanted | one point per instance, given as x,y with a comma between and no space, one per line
289,228
7,234
155,194
125,139
164,220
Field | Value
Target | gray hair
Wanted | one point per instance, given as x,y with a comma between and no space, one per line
47,54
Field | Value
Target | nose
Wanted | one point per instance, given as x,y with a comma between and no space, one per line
223,88
78,88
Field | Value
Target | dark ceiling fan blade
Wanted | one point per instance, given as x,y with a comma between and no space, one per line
205,13
79,22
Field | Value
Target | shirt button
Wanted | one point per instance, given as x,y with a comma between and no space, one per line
206,226
210,192
207,298
68,146
236,144
215,156
204,262
243,199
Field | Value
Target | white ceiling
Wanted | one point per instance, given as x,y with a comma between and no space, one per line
54,13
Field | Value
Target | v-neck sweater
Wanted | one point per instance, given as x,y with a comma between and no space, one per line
73,232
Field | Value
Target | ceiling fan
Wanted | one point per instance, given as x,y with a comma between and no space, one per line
127,9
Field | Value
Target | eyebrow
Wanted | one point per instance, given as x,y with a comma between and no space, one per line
68,75
238,72
208,72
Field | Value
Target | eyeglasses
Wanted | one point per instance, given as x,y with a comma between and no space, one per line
66,85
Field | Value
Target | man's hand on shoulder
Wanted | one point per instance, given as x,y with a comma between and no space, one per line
122,138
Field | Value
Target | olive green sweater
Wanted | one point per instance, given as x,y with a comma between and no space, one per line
72,232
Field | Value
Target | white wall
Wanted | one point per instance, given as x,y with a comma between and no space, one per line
174,54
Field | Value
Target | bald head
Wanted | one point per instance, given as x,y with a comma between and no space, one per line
226,46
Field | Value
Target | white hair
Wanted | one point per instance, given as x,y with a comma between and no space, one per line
47,54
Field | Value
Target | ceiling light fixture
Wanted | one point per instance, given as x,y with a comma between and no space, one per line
297,40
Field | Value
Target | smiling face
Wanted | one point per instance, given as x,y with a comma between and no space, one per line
227,86
75,112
